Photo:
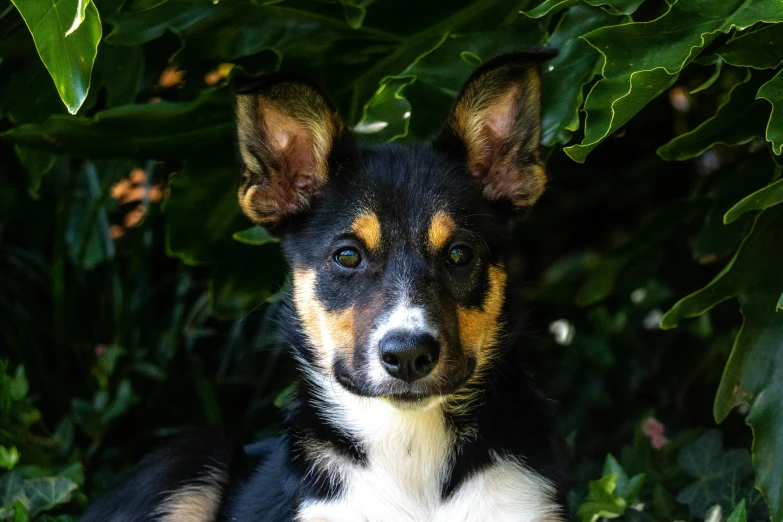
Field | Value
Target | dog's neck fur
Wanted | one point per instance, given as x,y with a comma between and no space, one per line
423,455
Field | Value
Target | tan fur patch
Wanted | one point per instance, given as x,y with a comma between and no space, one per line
285,136
479,328
367,227
329,332
198,502
441,228
495,118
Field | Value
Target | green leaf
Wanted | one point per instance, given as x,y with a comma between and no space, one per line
759,49
716,239
766,197
8,457
255,236
208,185
615,7
564,77
719,473
772,91
706,84
37,163
642,60
739,514
165,130
49,492
86,221
12,489
386,116
244,278
753,372
737,121
69,58
627,488
601,501
601,283
81,14
18,386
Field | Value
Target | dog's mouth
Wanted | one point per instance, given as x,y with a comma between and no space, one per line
404,394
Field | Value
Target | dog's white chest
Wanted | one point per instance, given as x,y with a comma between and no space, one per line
408,459
505,491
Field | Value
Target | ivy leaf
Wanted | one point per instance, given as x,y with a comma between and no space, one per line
8,457
615,7
753,373
736,122
759,49
49,492
564,77
766,197
772,91
602,502
69,58
719,473
641,60
165,130
627,488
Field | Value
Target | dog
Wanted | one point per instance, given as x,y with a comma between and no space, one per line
411,404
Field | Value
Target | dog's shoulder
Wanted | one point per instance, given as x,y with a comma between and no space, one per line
271,491
185,481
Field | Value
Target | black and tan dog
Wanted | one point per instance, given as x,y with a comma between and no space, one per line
411,405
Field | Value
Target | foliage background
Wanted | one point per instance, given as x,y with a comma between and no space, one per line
136,302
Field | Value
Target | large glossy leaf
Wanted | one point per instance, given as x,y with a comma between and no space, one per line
70,58
717,239
766,197
207,184
156,130
772,91
643,59
87,224
759,49
246,277
740,119
615,7
564,77
601,283
754,372
718,473
440,72
405,56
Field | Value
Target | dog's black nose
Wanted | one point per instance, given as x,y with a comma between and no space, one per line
409,356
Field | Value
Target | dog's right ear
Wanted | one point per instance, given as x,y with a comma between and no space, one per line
287,129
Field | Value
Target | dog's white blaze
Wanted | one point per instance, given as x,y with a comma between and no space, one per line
409,454
403,317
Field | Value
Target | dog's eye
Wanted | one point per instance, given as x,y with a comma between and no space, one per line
459,256
348,257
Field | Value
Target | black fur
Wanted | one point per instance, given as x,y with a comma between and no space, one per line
402,186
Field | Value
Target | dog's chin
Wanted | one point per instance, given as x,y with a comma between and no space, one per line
404,396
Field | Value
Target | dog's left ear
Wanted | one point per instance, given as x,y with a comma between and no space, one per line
496,127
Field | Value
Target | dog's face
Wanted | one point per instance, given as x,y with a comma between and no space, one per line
397,251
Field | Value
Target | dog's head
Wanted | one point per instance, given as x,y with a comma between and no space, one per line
397,251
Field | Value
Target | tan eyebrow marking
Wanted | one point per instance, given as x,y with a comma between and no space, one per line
367,227
441,228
